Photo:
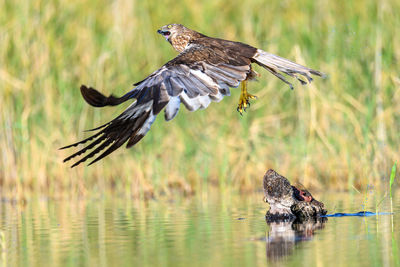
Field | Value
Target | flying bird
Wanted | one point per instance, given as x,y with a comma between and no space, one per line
203,72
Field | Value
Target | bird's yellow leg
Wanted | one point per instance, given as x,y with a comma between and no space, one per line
244,98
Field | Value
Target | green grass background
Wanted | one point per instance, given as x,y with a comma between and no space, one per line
341,132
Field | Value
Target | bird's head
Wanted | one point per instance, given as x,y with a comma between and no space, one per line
170,30
177,35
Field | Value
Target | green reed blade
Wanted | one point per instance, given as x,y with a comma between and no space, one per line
392,176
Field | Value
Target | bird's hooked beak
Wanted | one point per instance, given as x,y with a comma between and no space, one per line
164,33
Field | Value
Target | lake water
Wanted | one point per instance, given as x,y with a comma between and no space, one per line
205,230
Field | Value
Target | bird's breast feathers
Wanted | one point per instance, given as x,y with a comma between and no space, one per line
180,42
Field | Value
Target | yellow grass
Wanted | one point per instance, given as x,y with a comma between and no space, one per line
342,132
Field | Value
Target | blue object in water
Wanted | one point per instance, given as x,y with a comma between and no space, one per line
359,214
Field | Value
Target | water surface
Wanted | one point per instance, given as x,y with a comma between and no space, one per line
207,230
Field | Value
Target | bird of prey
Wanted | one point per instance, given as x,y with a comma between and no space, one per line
203,71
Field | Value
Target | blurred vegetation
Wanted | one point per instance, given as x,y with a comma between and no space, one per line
341,132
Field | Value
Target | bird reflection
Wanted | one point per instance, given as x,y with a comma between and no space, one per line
284,235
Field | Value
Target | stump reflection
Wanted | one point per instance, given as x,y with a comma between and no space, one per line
283,236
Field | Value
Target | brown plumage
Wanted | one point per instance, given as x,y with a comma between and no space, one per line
203,72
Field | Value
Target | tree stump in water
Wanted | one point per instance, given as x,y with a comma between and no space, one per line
288,202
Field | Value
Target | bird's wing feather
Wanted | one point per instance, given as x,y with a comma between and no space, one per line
192,78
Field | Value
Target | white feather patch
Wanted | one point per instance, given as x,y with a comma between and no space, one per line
191,104
218,97
204,78
204,101
147,124
199,102
172,108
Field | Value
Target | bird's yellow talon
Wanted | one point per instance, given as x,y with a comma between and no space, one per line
244,98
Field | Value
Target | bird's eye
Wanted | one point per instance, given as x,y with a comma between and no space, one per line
169,26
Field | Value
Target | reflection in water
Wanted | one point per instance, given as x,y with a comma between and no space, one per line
284,235
209,230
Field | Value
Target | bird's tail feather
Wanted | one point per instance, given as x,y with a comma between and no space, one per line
278,65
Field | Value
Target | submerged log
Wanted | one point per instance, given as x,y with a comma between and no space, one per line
288,202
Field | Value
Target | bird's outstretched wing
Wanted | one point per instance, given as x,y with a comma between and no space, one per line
195,78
